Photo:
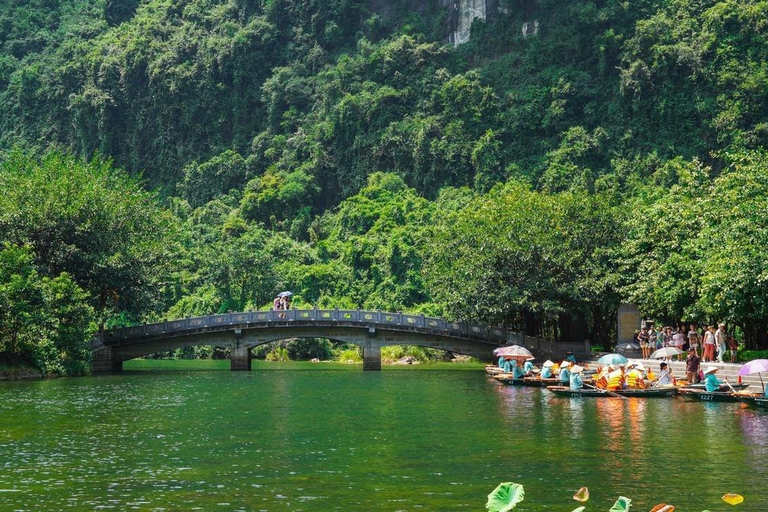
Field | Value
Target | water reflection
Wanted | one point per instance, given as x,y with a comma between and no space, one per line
754,427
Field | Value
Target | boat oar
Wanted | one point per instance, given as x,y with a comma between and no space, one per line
609,393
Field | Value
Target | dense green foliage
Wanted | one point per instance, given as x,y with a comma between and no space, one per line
45,323
344,151
83,244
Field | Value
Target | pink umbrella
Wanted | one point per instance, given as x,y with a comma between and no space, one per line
515,351
757,366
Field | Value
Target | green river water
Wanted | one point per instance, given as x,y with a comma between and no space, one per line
327,437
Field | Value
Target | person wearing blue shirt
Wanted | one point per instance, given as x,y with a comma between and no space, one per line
565,374
576,381
517,370
546,369
766,392
711,382
528,367
501,362
570,357
506,366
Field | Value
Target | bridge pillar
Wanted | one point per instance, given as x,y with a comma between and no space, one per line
104,360
240,358
371,357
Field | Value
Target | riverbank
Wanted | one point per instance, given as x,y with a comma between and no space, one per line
19,374
258,364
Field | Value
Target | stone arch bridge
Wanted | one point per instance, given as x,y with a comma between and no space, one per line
240,332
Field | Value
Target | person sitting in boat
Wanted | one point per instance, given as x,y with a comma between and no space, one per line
570,357
711,382
634,378
665,378
576,381
546,370
615,379
501,362
565,373
528,367
517,370
601,377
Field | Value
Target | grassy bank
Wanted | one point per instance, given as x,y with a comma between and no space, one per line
223,364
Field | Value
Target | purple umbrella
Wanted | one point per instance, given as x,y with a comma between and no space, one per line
757,366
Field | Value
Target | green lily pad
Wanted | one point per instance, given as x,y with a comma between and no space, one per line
505,497
622,505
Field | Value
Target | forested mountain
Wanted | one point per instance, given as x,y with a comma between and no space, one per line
567,156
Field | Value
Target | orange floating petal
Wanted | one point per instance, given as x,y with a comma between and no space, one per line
733,499
663,507
581,495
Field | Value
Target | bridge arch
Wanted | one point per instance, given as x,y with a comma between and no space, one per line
240,332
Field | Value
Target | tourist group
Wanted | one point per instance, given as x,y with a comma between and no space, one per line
713,340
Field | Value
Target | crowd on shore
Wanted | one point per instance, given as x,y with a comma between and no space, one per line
714,341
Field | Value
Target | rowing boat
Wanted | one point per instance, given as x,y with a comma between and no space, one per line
755,400
708,396
533,382
701,386
601,393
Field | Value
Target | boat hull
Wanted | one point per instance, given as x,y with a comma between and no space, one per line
754,400
599,393
530,382
708,396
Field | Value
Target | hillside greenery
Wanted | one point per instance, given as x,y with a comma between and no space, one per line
169,158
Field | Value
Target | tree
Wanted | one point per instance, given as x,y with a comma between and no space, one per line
45,323
93,222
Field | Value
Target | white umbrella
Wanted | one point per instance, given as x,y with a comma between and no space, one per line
513,351
666,352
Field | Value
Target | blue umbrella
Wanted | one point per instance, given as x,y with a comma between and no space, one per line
613,359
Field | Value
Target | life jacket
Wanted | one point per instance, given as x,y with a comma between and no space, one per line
602,382
614,379
635,380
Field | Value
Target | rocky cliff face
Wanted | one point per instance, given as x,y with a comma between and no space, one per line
463,13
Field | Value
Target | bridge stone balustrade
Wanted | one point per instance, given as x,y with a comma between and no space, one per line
240,332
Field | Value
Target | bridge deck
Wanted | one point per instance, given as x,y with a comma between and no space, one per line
298,317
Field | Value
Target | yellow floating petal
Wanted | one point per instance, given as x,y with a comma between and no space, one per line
581,495
733,499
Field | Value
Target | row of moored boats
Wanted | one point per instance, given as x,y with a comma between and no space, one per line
726,393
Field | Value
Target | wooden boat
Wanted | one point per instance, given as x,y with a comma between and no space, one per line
601,393
533,382
701,386
708,396
755,400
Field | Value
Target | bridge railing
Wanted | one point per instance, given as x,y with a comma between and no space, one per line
320,316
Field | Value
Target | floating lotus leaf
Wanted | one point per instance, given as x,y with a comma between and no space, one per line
505,497
622,505
663,507
581,495
580,509
733,499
